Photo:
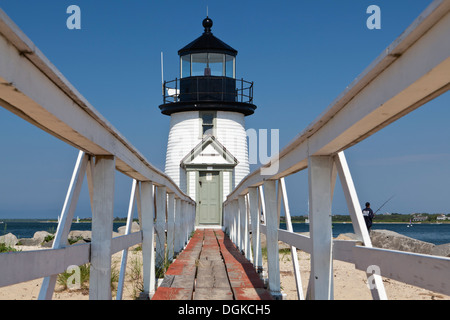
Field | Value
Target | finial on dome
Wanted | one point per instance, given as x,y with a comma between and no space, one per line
207,24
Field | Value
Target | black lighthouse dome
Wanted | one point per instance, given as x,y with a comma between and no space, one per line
208,78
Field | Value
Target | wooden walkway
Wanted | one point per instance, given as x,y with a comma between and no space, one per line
211,268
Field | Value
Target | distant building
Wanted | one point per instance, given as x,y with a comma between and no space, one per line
419,218
442,217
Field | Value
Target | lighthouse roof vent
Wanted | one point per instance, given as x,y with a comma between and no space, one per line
207,42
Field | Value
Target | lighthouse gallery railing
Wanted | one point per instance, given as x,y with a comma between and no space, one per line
32,88
413,70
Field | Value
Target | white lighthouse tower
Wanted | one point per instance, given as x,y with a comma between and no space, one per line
207,152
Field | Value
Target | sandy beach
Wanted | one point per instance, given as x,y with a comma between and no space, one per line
349,283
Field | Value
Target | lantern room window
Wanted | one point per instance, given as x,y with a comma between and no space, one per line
208,64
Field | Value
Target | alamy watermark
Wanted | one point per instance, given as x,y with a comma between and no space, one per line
74,20
74,280
258,147
374,20
374,271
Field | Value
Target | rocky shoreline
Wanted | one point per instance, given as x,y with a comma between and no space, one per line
44,239
385,239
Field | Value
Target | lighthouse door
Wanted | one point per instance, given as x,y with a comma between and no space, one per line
209,197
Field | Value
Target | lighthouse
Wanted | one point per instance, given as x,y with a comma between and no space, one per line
207,152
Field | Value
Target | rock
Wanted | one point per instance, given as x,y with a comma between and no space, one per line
441,250
28,242
394,241
134,228
47,244
9,240
76,235
38,239
81,241
85,235
40,236
348,236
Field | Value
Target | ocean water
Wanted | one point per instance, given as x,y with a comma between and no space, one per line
433,233
27,229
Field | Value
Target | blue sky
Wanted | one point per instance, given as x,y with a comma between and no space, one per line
300,54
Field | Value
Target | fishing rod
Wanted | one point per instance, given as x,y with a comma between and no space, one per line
384,204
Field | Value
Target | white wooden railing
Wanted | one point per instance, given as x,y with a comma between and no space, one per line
413,70
33,89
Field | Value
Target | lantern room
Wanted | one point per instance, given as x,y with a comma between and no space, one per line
208,78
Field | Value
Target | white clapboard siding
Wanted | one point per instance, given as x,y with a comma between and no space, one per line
231,133
185,135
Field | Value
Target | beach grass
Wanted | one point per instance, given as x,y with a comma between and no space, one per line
5,248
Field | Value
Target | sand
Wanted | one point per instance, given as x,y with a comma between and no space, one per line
349,283
30,290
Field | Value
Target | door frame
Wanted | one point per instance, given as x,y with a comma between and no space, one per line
210,168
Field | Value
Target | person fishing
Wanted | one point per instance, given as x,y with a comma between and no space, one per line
368,215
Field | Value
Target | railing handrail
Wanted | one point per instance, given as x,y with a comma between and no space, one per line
129,160
412,71
407,40
37,92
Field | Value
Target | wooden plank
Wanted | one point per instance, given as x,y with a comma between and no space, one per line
299,241
24,266
424,271
148,235
161,201
65,223
123,263
298,279
124,242
359,225
272,223
243,224
319,180
170,225
102,228
256,236
178,241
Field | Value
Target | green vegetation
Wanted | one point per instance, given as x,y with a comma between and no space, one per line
5,248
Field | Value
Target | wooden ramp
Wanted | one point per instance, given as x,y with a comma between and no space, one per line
211,268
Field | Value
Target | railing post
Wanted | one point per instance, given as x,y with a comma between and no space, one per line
177,236
242,215
272,224
262,203
378,291
298,279
192,217
319,180
256,236
161,200
170,225
237,224
102,228
248,246
181,220
123,263
48,284
148,236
